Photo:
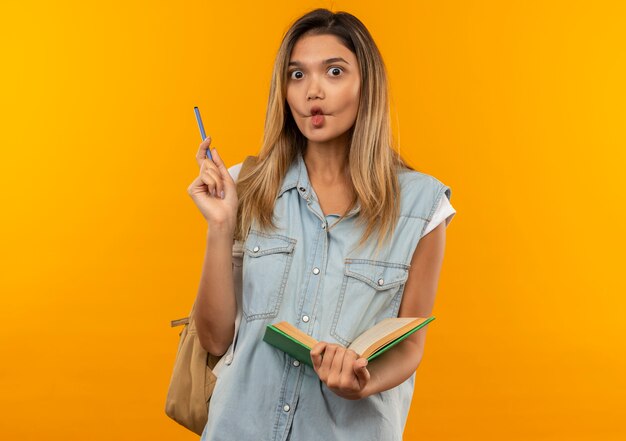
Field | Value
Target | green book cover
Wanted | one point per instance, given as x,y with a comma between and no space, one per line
285,343
302,352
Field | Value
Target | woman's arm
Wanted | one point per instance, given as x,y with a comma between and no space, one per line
395,366
355,379
216,306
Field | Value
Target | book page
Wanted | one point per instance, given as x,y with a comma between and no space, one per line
296,333
384,332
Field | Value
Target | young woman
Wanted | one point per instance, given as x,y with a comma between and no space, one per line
338,233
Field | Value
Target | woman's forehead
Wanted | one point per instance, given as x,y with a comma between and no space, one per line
315,49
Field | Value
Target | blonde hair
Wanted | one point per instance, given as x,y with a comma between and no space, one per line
373,163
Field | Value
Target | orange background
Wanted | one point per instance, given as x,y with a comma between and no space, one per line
518,106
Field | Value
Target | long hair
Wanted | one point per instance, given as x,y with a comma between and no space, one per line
373,163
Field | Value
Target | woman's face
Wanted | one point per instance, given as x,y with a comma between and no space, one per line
323,74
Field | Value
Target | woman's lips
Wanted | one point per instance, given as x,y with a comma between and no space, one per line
317,120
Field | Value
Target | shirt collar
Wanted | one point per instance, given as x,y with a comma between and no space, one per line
292,177
298,177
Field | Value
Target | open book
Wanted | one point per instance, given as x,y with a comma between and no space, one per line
370,344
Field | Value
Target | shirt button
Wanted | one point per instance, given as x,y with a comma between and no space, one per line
380,282
228,360
296,363
305,318
323,226
286,407
302,189
316,270
256,249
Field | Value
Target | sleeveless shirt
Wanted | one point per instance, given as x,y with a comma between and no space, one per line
308,272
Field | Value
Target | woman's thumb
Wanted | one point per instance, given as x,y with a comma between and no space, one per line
222,167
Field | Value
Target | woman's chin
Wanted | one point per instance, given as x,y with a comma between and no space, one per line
321,135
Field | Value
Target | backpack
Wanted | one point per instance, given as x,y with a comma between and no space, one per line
193,378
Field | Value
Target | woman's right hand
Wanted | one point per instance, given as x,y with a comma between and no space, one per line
206,190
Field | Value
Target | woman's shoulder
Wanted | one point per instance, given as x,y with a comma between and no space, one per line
421,192
413,180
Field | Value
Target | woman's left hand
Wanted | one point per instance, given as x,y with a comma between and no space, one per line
341,370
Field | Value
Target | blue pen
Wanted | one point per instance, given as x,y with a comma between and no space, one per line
202,134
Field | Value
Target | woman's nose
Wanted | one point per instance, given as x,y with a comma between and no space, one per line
314,89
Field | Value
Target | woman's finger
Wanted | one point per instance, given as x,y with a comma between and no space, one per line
201,155
347,368
217,159
192,189
212,172
361,371
316,354
334,375
208,166
327,359
210,183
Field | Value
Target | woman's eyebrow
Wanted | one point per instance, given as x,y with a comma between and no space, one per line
327,61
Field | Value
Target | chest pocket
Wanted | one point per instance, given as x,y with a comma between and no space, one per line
371,291
266,262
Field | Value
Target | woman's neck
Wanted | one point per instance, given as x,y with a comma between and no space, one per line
326,164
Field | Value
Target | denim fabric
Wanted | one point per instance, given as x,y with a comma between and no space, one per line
308,273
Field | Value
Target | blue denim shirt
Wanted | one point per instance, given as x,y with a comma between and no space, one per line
308,273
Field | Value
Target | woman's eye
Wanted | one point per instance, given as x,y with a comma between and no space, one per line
297,74
335,71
